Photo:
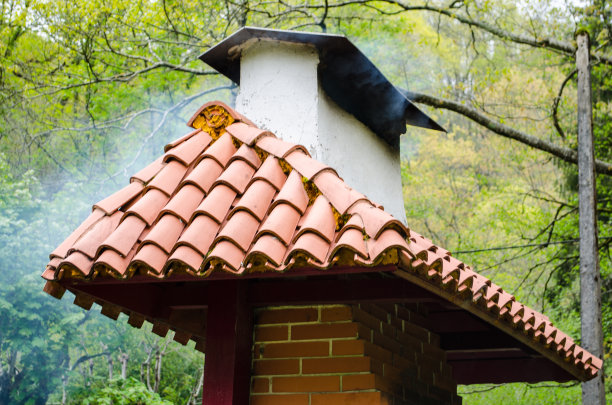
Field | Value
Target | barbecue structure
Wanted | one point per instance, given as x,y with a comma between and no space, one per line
299,288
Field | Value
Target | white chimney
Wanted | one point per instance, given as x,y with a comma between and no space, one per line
283,80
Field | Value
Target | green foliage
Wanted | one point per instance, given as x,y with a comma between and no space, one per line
91,91
128,392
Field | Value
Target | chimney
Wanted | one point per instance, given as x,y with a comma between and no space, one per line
320,91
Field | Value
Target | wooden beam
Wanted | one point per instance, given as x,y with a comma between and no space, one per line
504,370
220,275
456,321
145,299
229,335
336,291
492,339
488,317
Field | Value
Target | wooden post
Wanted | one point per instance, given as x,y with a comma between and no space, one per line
590,279
229,336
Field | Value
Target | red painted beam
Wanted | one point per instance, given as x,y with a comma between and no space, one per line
482,340
220,275
506,370
144,299
319,290
229,335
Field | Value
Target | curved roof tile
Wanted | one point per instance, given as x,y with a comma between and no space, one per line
242,200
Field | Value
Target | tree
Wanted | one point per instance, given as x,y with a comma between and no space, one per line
91,91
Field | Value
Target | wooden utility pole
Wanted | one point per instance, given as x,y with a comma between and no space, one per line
590,279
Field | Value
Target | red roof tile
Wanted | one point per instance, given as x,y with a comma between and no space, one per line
231,197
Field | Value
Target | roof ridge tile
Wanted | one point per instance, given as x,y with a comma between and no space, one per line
277,147
305,165
247,133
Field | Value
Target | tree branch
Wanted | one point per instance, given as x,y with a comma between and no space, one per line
563,153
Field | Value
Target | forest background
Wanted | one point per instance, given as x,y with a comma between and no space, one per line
90,91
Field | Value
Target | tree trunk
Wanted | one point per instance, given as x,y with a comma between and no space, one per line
590,280
123,359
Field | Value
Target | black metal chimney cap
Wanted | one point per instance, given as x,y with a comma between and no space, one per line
346,74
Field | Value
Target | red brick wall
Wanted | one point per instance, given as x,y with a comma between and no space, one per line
364,354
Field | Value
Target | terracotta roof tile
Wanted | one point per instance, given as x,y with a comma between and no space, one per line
186,255
307,166
281,223
151,256
271,172
256,199
293,193
125,236
89,242
278,147
77,261
240,230
352,239
147,173
204,174
225,252
180,140
338,192
320,220
221,150
169,177
247,154
62,249
236,176
311,245
243,200
247,133
184,202
149,205
388,239
189,150
217,203
165,232
200,234
270,247
114,262
120,198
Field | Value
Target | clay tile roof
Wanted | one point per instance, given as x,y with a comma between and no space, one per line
229,197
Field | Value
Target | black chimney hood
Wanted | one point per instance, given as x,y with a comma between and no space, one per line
348,77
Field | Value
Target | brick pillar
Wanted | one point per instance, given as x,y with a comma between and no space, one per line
333,355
